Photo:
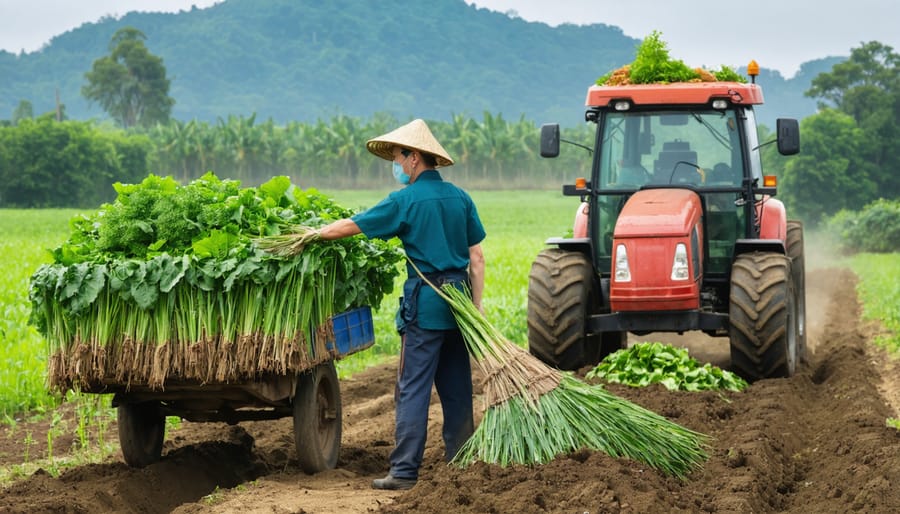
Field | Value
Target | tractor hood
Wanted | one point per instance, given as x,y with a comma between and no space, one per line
659,212
657,261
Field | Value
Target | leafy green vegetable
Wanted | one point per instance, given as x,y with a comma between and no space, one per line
726,74
650,363
168,272
653,65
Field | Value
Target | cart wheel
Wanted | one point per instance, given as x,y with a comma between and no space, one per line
141,430
317,418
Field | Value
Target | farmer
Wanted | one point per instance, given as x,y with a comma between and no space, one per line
441,233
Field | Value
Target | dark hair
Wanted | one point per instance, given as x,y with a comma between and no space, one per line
405,153
429,160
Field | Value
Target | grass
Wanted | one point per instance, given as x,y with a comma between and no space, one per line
25,237
879,292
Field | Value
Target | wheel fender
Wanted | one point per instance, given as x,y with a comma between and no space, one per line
773,219
580,227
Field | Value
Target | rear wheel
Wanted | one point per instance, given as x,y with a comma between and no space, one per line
141,430
561,295
317,418
794,248
763,316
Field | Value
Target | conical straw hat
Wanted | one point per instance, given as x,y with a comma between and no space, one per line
415,135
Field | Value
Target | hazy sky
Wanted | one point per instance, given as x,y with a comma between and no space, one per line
778,34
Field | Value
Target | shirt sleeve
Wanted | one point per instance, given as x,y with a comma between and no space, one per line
475,231
383,221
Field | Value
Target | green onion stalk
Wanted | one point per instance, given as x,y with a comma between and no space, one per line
190,334
291,242
534,413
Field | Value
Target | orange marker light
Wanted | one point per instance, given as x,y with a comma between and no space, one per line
753,68
769,181
580,183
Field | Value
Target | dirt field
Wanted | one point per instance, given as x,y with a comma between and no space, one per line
814,443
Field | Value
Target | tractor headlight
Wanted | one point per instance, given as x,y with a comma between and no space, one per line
623,273
680,269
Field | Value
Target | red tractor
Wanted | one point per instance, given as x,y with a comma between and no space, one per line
677,231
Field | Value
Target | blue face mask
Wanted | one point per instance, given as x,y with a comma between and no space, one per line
401,177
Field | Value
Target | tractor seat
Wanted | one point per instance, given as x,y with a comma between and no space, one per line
672,153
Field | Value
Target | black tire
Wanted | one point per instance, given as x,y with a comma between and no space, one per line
317,418
562,293
794,248
763,316
142,428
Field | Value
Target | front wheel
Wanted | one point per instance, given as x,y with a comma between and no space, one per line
142,427
763,316
317,418
562,293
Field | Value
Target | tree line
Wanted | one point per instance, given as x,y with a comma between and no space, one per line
492,152
45,163
848,155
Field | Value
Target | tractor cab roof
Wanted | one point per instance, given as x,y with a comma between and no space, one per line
678,93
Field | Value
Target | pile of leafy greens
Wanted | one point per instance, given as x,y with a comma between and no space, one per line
168,281
649,363
653,65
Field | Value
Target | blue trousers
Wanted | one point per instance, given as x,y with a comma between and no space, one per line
429,357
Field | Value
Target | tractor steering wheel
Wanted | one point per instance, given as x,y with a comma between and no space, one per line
697,169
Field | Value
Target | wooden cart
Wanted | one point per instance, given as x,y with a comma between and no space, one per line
312,397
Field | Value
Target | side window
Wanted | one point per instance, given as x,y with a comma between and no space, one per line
626,141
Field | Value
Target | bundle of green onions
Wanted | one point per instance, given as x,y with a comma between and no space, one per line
291,242
534,413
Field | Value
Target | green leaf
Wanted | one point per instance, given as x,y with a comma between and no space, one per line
275,187
172,271
649,363
217,244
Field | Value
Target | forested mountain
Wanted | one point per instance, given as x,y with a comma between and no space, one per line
302,60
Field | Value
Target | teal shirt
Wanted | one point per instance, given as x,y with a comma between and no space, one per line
437,222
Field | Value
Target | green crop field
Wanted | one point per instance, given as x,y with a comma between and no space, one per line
879,291
25,237
517,224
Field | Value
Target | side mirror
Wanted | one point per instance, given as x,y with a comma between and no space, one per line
788,136
550,140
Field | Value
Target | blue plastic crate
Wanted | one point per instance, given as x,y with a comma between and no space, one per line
353,331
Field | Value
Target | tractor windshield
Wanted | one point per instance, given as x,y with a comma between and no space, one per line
700,149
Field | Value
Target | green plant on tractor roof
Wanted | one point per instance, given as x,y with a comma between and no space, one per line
653,65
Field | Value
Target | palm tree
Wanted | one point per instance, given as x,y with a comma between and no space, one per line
460,136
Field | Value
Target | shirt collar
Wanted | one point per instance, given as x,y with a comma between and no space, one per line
429,175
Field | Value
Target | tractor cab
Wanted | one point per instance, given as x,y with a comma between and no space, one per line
676,195
696,149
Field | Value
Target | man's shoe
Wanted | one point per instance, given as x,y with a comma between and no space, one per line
393,483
